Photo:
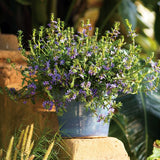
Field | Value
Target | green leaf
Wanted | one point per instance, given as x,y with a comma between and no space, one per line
72,83
24,2
137,125
8,60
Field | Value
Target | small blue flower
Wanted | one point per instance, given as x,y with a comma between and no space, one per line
45,83
84,31
36,67
33,92
83,84
89,54
112,65
35,46
88,84
32,73
48,104
49,25
90,28
56,43
55,22
49,88
24,102
102,76
32,86
111,110
55,58
48,64
106,67
75,54
91,72
62,62
74,96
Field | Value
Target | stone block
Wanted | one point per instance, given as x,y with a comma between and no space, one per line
8,75
106,148
8,42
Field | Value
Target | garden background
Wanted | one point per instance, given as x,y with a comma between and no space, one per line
138,123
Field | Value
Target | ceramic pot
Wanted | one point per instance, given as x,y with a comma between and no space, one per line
77,122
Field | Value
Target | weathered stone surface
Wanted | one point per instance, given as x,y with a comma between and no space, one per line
8,75
9,52
8,42
108,148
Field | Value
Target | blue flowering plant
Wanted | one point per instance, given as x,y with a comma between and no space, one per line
64,65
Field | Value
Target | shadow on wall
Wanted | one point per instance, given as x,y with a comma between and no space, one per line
13,115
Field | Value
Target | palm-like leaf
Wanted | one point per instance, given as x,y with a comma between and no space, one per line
137,124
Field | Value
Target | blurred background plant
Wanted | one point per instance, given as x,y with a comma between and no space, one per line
22,146
137,125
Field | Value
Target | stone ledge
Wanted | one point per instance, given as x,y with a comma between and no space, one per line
14,56
107,148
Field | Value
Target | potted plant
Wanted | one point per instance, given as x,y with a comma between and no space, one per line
71,70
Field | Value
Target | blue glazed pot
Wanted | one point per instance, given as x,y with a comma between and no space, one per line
77,122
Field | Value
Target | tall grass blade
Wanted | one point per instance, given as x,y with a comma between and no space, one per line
48,151
30,148
9,151
1,153
18,145
31,157
24,142
28,143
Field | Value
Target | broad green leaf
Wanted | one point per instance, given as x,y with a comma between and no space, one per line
137,125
